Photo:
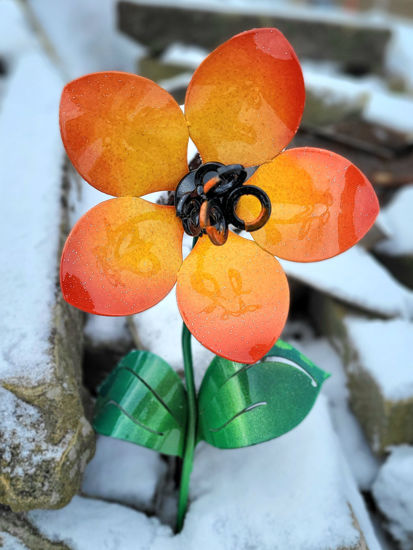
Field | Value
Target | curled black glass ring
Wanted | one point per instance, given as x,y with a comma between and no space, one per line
232,202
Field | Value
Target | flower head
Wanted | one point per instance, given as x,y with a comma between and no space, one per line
128,137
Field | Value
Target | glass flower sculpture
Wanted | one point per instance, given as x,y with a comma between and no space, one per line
128,137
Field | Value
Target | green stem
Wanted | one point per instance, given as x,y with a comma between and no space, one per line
190,438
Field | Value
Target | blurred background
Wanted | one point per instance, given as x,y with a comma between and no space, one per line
351,486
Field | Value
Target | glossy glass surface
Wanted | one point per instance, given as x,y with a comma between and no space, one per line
121,257
143,401
245,101
233,298
123,133
321,205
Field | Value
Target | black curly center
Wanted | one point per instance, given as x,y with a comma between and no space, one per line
206,200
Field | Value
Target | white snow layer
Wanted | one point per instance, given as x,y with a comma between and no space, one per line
16,36
107,331
292,492
22,424
399,59
82,196
362,462
31,157
84,36
91,524
123,472
392,110
8,542
184,55
383,349
356,278
399,219
381,107
393,493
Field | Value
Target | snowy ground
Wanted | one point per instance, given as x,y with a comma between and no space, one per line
285,492
303,490
393,490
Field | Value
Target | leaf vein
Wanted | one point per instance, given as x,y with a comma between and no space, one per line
247,409
134,420
156,395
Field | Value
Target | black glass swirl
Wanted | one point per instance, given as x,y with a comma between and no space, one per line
206,200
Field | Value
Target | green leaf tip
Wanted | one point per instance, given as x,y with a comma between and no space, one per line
285,350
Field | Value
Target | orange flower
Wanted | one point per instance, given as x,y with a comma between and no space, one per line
128,137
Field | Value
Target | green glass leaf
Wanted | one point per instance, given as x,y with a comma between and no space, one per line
285,351
241,405
143,401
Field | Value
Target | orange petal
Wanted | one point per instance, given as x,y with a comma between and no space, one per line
124,134
121,257
233,298
245,101
321,205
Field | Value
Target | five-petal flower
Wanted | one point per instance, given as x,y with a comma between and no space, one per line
128,137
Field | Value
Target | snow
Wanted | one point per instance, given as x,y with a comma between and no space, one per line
8,542
91,524
84,36
159,330
363,464
315,485
240,499
175,82
391,110
181,54
383,349
22,425
380,106
358,279
335,87
82,196
107,331
30,214
16,36
384,226
125,473
399,59
393,493
399,219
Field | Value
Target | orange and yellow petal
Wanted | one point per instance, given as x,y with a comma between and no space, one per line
245,101
321,205
123,133
121,257
233,298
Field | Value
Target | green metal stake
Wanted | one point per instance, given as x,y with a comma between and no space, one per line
190,438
